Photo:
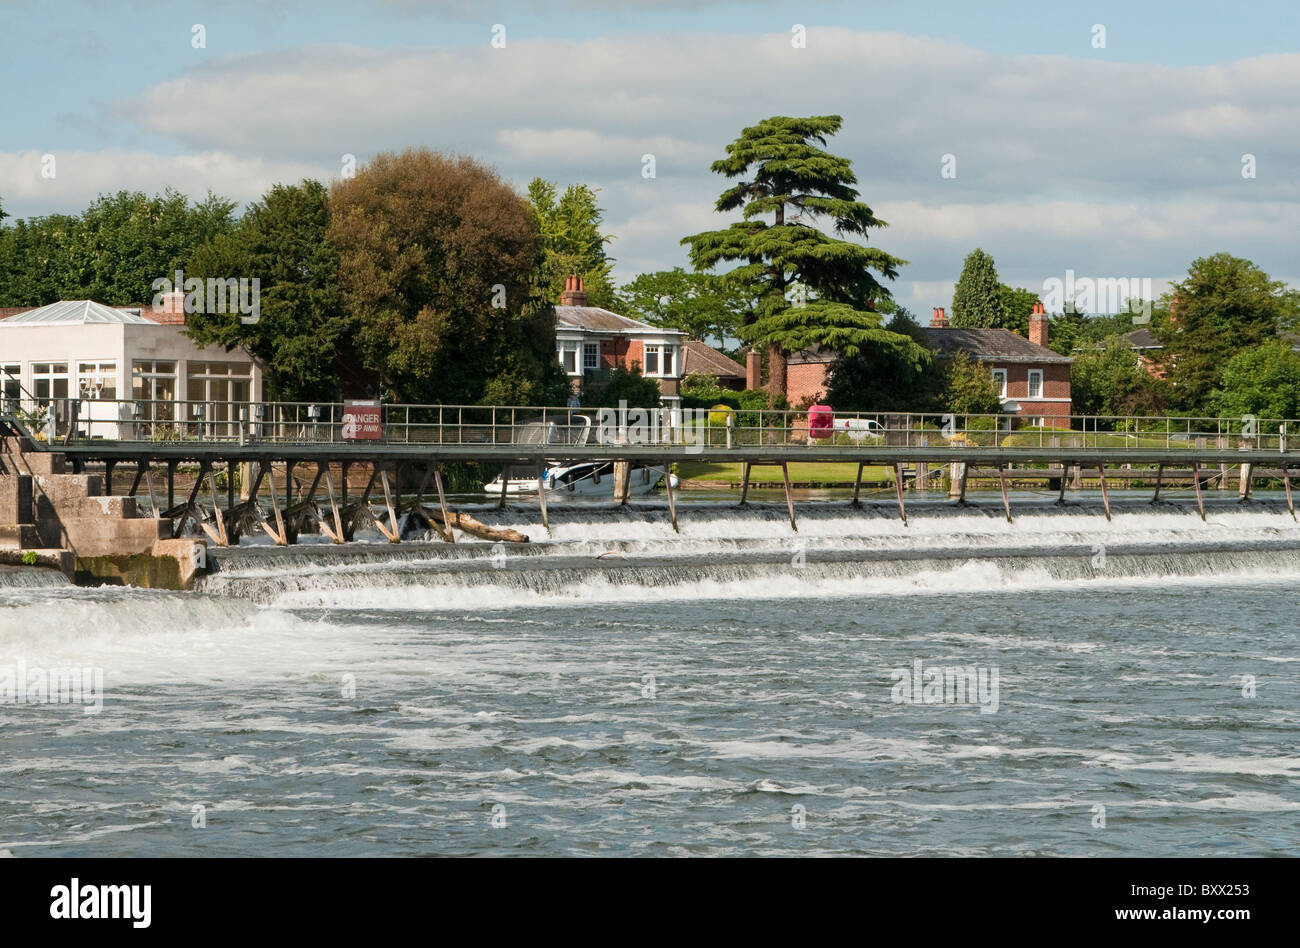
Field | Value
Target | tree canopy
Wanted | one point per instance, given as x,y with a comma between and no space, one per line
1263,381
303,337
705,306
977,300
437,261
786,173
1224,305
572,241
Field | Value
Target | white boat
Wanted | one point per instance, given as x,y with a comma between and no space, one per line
584,479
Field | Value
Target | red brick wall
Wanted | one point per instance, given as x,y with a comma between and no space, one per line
805,380
1056,385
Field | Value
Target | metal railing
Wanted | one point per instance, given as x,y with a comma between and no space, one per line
718,428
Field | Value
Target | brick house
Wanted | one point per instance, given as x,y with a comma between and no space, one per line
700,358
589,339
1027,372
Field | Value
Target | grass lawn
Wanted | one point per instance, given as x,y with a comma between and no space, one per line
800,471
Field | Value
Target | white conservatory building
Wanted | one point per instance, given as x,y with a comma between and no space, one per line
120,366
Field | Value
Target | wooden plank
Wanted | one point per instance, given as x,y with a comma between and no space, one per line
898,489
1196,480
337,533
1286,480
446,533
393,533
278,534
216,510
1105,497
672,504
1006,500
789,496
541,496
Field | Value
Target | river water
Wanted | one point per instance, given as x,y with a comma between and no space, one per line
1060,685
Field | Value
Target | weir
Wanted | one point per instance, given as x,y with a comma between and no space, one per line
427,437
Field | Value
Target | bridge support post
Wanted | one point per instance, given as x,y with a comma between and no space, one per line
1247,475
789,497
1105,495
1286,481
857,485
957,481
1006,499
108,477
277,534
672,503
1060,497
898,489
153,503
445,530
393,532
219,536
1196,480
744,482
1160,470
336,535
541,496
623,481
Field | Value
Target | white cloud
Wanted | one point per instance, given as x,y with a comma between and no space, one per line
1102,167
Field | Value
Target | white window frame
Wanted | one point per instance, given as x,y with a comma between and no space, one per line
663,351
1000,380
98,374
592,350
569,346
1029,391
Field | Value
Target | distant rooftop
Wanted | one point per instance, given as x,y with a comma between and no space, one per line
595,319
74,313
700,357
989,344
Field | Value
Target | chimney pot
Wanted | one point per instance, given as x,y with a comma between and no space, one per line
1038,325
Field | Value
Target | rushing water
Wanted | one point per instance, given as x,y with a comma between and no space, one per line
616,688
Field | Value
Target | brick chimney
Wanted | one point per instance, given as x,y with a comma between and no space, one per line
574,293
170,310
1038,325
938,318
753,370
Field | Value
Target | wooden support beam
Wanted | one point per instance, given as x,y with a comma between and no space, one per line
445,529
1286,481
505,479
1196,480
789,496
153,503
393,532
230,486
363,503
744,482
857,484
218,536
108,477
672,503
898,489
1247,476
1160,473
1006,500
1060,497
541,496
171,484
1105,497
277,534
424,482
337,533
140,466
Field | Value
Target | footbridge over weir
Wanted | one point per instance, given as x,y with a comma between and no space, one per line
382,439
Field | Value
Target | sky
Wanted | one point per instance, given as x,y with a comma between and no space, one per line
1113,140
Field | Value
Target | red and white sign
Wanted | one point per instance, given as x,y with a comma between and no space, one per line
362,421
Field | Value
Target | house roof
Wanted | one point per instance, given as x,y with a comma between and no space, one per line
814,354
989,345
1143,339
595,319
73,313
700,357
